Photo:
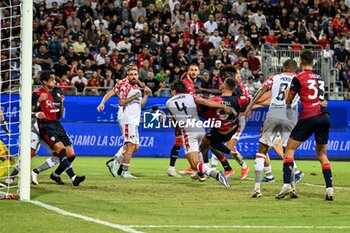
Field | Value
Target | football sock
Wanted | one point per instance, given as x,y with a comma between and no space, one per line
65,164
49,163
258,166
61,169
287,170
239,158
119,155
173,155
125,167
214,161
225,164
292,178
327,174
204,169
268,172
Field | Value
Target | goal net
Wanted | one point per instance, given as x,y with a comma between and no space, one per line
15,98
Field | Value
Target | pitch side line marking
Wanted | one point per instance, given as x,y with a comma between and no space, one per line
241,227
86,218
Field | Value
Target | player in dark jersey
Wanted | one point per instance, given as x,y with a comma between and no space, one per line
229,122
58,98
50,128
314,119
229,71
36,141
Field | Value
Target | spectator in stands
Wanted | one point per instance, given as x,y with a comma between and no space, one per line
248,47
216,80
225,58
251,85
138,11
88,68
210,60
180,23
143,71
210,25
86,56
108,81
93,84
145,55
328,53
43,58
61,68
215,38
80,45
168,59
100,59
124,46
343,77
80,82
205,46
341,55
71,56
64,82
245,72
254,63
152,83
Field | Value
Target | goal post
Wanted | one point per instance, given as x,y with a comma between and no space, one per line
25,98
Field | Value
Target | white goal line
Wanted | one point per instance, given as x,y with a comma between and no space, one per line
130,228
86,218
239,227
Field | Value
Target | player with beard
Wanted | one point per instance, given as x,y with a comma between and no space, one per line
129,112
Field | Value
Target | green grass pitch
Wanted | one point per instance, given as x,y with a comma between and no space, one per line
156,199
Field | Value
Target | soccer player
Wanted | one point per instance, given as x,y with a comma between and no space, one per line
50,128
229,122
189,79
129,112
229,71
276,122
183,110
58,98
314,119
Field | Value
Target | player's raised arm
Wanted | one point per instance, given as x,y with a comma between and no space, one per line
212,104
106,97
147,92
257,96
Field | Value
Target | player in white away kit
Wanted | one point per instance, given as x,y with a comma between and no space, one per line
130,103
279,120
183,111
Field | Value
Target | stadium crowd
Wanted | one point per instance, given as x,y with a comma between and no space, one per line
88,43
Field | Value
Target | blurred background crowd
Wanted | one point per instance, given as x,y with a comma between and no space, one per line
88,43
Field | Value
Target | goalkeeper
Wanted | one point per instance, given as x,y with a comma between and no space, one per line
6,160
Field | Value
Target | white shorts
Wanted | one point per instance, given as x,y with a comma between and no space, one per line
274,128
192,140
130,133
240,128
